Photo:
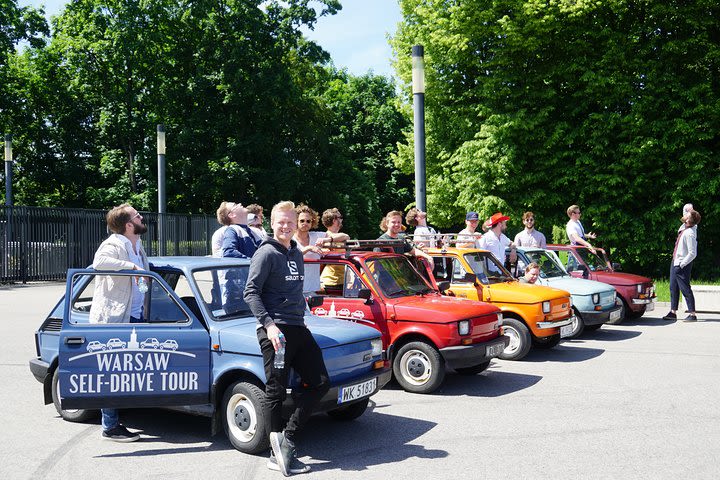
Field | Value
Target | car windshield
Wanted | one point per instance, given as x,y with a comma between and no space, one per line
222,291
486,267
592,260
396,277
549,267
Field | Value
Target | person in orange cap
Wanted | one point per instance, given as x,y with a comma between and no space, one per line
495,240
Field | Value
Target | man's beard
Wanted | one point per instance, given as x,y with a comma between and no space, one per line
139,229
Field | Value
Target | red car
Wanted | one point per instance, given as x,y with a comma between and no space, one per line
636,292
423,332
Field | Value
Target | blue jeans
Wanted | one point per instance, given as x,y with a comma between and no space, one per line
110,418
680,282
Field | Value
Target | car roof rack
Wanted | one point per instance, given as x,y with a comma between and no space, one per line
444,240
348,246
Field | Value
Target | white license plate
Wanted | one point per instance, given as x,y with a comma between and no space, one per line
354,392
494,350
650,307
615,315
565,331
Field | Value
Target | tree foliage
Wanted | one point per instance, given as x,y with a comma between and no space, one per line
539,105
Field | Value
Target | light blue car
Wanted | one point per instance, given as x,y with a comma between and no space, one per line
594,302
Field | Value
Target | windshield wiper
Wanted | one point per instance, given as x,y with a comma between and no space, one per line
396,292
239,313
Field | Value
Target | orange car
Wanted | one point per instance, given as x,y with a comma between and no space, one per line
532,314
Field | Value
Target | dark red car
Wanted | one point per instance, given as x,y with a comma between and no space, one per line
423,332
636,292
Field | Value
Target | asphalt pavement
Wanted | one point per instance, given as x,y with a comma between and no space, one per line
634,401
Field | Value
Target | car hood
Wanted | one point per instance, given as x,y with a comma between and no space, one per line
578,286
435,308
620,278
328,332
516,292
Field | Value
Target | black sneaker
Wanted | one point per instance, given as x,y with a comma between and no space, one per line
670,316
296,466
120,434
279,446
690,318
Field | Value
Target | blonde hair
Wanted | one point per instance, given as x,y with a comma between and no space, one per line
571,209
392,213
284,206
223,211
314,217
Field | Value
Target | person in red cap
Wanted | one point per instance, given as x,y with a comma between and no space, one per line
495,241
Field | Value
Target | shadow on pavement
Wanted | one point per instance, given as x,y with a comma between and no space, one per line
563,353
613,334
645,321
487,384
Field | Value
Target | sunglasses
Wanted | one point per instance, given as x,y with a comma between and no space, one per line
135,216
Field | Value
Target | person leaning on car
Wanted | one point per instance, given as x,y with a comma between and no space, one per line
575,231
274,293
117,299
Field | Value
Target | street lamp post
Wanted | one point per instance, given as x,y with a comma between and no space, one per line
418,86
8,170
161,187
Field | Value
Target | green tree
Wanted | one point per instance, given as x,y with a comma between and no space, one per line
537,105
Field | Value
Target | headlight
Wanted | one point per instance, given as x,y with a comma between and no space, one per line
596,298
639,288
376,344
614,295
500,319
464,327
546,307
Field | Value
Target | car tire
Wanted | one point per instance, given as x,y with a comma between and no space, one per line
474,370
547,342
350,412
578,325
592,328
520,339
633,314
418,367
623,312
75,415
243,417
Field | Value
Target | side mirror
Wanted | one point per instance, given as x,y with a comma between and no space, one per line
443,286
584,270
470,278
576,274
366,294
314,301
616,267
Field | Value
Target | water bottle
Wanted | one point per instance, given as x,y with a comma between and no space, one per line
142,285
279,362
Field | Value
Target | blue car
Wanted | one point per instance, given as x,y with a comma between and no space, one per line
594,303
209,362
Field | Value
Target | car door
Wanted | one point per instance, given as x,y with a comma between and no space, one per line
162,361
462,282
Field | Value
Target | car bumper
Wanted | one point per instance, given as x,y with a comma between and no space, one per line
470,355
593,317
329,401
39,369
642,301
557,324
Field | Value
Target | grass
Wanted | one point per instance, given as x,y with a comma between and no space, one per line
662,287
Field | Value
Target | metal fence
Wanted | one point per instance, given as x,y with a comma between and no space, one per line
42,243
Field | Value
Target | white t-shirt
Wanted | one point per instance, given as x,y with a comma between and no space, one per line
312,271
574,227
260,232
466,236
530,239
425,235
495,245
216,242
136,307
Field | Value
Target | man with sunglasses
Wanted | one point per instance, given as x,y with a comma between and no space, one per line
575,231
118,299
530,237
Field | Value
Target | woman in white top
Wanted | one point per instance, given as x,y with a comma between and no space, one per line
310,242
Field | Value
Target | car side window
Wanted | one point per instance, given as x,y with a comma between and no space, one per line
442,269
353,284
102,300
460,275
332,279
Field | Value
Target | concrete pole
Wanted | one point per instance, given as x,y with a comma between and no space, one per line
161,188
418,85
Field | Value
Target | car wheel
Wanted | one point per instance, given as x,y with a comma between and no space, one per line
418,367
547,342
577,326
350,412
623,313
244,417
474,370
75,415
592,328
520,340
633,314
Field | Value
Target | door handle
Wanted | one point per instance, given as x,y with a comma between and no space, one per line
74,340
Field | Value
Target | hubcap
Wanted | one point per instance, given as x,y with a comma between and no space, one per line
416,367
514,344
241,418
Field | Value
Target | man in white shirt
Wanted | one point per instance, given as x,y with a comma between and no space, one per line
575,231
530,237
684,254
468,237
424,236
224,220
495,240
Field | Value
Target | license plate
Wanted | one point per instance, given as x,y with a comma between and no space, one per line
354,392
615,315
492,351
650,307
565,331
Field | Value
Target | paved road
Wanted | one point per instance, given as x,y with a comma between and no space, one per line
637,400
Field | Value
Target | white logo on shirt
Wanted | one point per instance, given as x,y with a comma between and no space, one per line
292,266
